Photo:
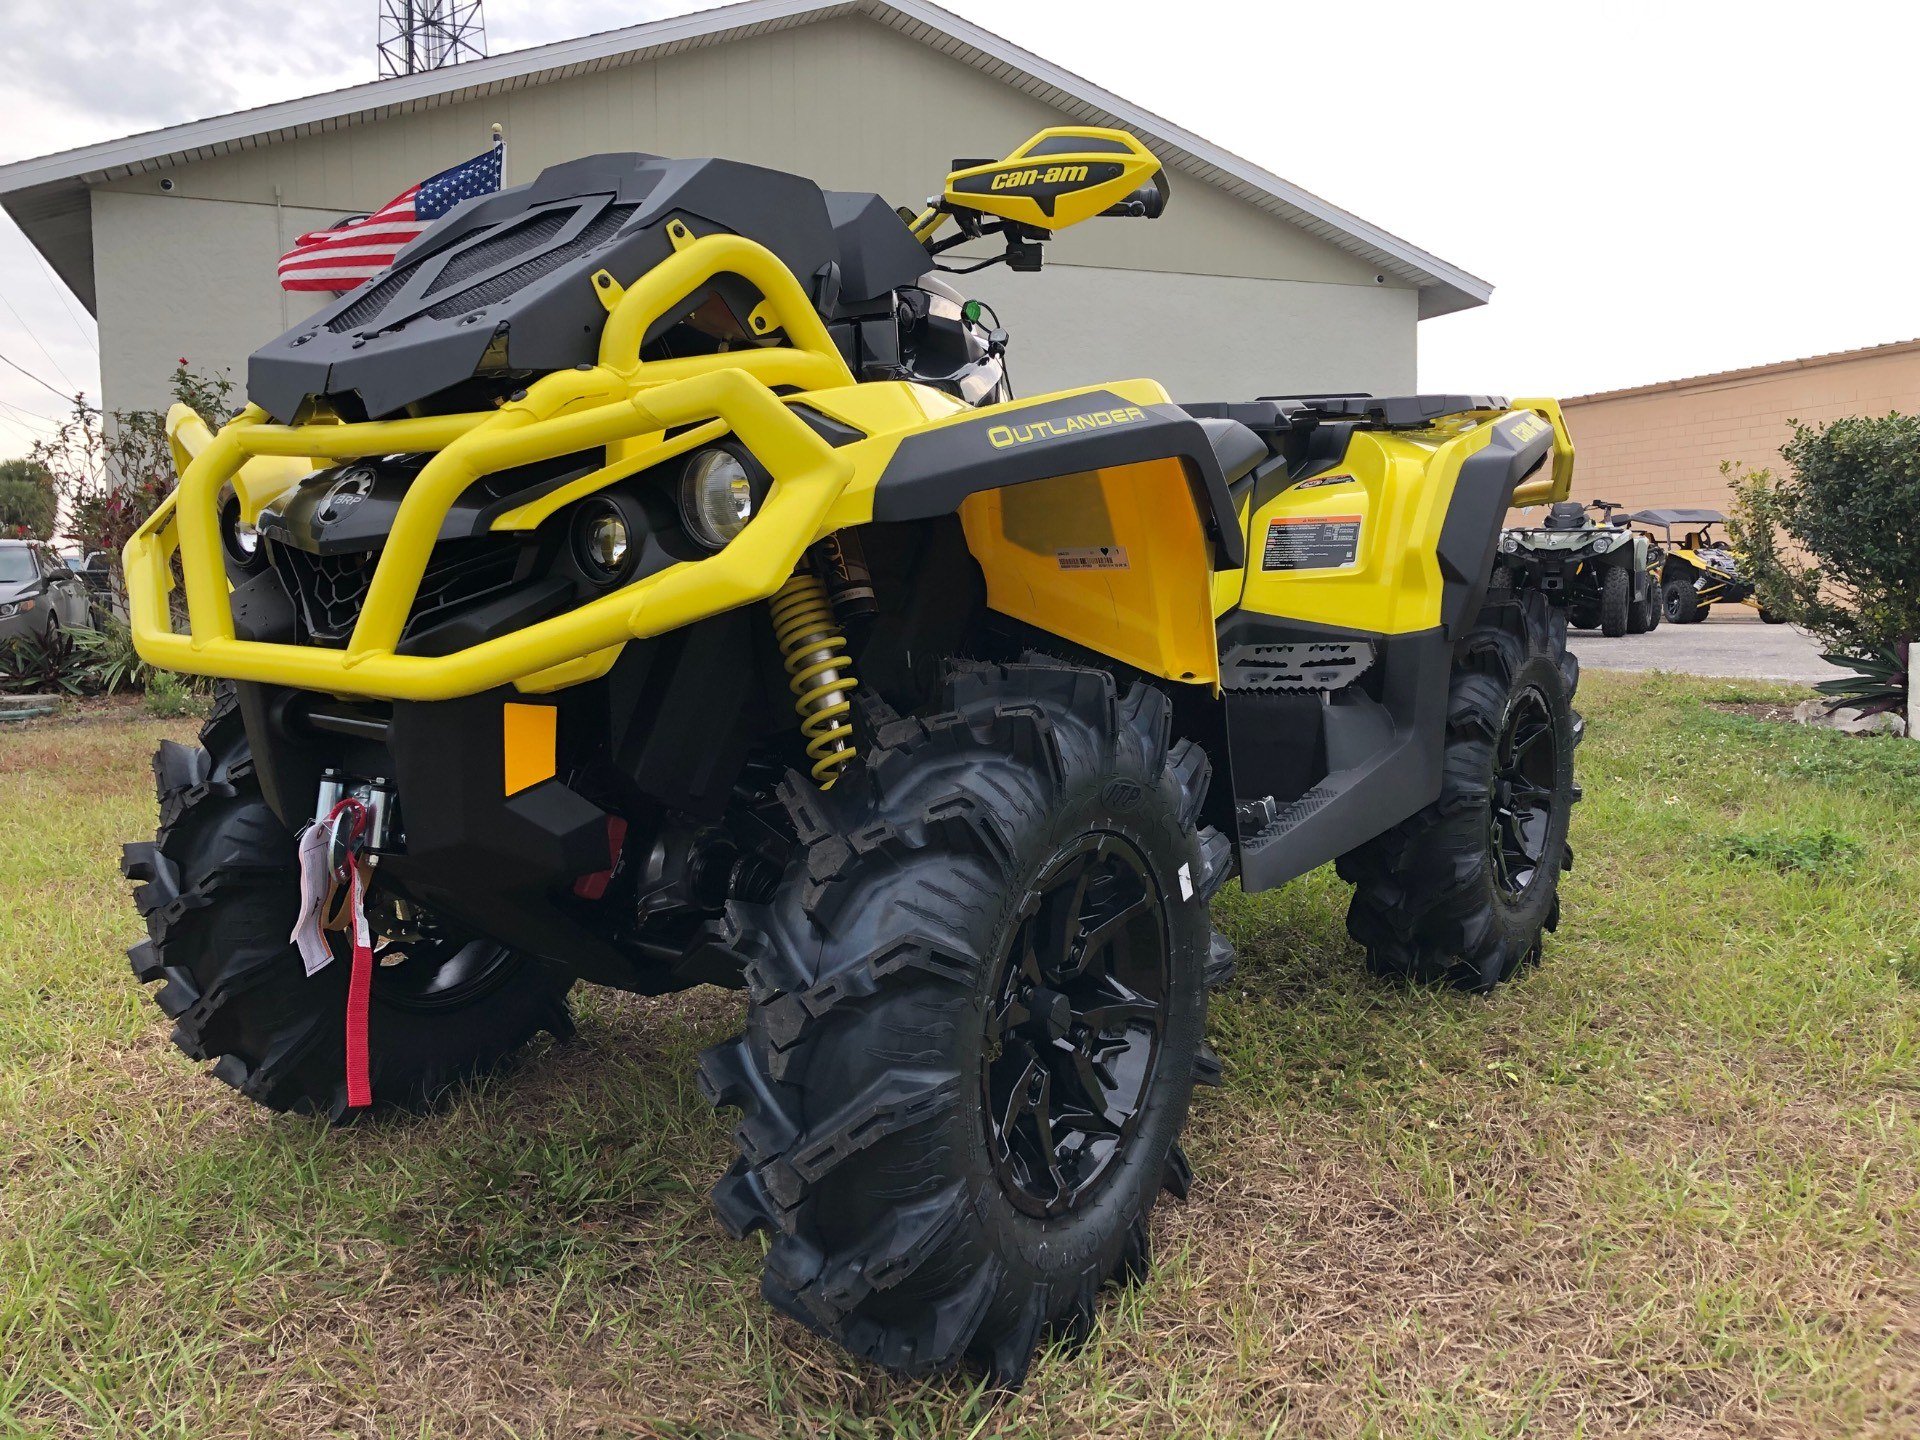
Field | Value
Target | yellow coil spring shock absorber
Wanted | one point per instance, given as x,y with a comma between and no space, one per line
822,673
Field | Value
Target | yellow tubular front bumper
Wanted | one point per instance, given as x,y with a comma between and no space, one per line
619,400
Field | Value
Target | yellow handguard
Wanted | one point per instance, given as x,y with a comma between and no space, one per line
1057,178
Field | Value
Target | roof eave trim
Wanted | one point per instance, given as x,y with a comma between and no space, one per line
1444,288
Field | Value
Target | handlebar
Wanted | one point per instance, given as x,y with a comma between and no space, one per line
1149,202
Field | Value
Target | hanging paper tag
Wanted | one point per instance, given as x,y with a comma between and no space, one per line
316,885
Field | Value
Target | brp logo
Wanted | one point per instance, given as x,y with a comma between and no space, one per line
345,493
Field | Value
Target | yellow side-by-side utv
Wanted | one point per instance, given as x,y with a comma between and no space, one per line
651,580
1697,569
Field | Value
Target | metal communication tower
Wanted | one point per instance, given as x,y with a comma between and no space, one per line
420,35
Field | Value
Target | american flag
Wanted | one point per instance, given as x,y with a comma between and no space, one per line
356,250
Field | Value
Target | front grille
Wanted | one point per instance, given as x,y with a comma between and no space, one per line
370,305
499,247
462,571
481,255
331,590
511,282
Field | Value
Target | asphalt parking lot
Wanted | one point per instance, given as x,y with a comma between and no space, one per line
1732,641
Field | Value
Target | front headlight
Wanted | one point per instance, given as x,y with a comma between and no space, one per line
1509,543
1604,543
9,610
716,497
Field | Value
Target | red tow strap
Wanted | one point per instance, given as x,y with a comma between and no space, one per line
360,978
359,994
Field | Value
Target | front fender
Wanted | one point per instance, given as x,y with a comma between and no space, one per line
931,472
1098,516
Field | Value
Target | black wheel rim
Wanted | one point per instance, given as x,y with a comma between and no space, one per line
429,968
1074,1025
1673,604
1526,773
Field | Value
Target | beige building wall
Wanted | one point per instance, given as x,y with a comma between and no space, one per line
1217,299
1659,445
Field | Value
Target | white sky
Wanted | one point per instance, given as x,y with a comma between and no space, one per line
1655,190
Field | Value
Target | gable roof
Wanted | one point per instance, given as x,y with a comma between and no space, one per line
47,196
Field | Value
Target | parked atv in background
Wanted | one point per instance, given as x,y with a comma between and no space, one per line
1600,568
1698,570
649,581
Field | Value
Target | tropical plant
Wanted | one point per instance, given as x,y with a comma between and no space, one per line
1878,682
42,665
111,661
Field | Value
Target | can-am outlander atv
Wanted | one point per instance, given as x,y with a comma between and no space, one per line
650,581
1604,570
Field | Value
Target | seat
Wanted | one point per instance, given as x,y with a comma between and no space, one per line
1236,447
1566,515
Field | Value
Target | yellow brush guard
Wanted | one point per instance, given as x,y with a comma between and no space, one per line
621,400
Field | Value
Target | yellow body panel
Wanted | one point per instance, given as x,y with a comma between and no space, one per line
1395,489
1390,494
1112,559
1227,584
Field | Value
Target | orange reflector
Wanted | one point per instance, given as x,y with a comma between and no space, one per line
528,732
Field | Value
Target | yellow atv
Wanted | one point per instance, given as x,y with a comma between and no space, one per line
1698,570
651,581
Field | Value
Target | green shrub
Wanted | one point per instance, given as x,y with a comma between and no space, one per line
170,696
1834,544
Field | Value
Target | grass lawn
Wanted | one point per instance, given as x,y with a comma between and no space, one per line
1668,1183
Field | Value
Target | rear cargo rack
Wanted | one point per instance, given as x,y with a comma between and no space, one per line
1391,412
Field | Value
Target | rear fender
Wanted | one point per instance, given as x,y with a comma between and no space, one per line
1400,535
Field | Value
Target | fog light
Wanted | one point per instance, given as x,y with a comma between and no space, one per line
240,538
716,497
602,543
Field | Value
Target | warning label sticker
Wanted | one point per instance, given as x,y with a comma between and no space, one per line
1102,557
1318,542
